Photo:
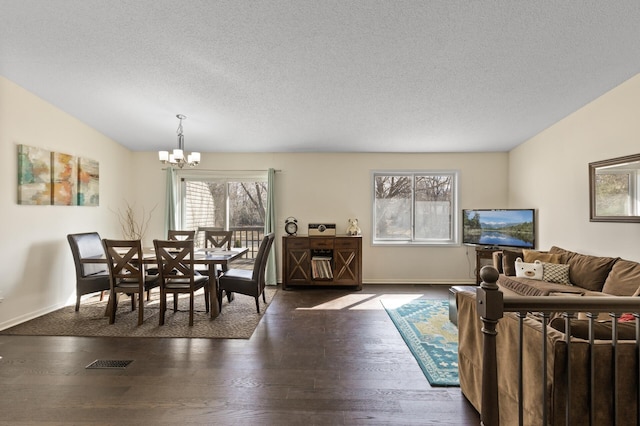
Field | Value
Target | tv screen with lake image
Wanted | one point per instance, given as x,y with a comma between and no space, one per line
506,227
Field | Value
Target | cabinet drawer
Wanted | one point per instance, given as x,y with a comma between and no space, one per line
321,243
349,243
297,243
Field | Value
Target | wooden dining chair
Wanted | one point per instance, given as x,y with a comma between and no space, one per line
215,239
200,230
218,239
175,234
178,275
127,275
247,282
90,277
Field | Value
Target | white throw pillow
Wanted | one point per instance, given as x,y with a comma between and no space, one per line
532,271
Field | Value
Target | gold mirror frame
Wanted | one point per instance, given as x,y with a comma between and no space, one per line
619,200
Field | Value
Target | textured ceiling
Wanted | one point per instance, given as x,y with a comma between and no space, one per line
312,76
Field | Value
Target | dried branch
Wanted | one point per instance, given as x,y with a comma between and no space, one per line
132,228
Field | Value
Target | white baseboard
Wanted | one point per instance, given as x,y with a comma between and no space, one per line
29,316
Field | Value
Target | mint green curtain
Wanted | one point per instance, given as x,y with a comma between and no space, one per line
170,200
270,226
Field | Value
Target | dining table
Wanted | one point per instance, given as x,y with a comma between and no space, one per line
211,257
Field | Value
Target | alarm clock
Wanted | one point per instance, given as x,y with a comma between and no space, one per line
291,225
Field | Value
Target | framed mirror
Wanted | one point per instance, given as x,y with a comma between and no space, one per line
614,187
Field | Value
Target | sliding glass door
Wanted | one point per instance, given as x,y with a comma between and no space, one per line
228,203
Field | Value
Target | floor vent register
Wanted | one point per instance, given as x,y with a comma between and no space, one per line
109,363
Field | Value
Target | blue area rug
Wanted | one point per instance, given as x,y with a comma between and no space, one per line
432,338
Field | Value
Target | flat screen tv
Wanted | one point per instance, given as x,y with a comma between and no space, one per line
499,227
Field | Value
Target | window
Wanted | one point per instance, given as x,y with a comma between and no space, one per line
235,203
223,204
415,208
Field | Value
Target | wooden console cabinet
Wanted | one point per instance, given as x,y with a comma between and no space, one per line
326,260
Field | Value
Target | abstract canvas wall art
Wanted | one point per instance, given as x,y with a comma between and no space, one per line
88,182
34,175
64,179
46,178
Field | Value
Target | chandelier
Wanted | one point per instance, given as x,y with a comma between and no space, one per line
177,158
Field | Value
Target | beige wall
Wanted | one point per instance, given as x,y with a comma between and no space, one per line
334,187
36,263
550,172
39,274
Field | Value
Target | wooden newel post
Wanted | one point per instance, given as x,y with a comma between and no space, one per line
490,308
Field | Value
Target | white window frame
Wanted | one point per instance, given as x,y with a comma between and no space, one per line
453,232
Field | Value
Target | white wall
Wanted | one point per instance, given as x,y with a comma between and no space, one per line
37,267
550,172
334,187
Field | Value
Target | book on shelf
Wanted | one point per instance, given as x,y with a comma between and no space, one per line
321,267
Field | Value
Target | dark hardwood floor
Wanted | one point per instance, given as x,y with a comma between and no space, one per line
318,357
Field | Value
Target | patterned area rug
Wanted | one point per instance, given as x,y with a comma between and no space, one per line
237,320
432,338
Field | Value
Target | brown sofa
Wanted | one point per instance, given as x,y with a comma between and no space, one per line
589,275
